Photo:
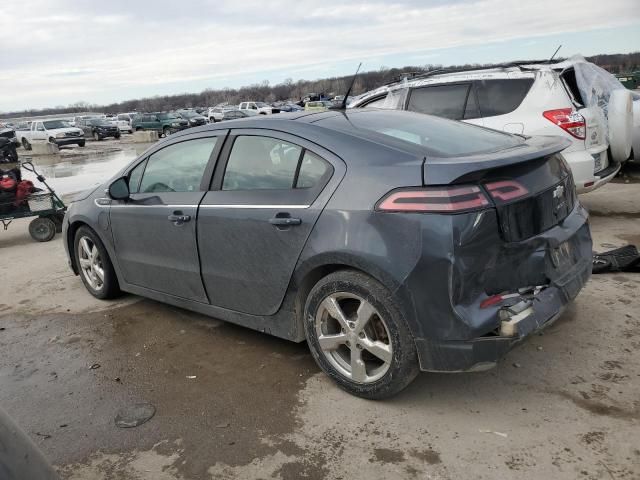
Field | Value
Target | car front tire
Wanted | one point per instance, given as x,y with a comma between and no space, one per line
94,265
358,335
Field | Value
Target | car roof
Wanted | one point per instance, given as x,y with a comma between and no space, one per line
307,125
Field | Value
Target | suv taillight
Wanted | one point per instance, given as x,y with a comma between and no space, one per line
453,199
568,120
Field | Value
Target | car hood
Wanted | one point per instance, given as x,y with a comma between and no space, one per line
65,130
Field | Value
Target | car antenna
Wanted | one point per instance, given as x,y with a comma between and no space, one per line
554,53
353,80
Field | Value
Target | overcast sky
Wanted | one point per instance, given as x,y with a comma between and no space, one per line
57,52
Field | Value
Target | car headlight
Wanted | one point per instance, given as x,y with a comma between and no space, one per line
175,124
60,135
192,121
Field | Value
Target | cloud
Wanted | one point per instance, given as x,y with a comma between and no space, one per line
58,54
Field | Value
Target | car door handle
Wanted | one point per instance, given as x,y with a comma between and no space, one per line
284,221
178,219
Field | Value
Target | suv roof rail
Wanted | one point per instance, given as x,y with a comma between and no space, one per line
440,71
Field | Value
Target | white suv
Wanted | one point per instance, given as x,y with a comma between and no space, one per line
536,99
259,107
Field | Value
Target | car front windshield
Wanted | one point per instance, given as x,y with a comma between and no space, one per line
442,136
99,122
52,124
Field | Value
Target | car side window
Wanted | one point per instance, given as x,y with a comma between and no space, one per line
313,170
499,97
134,177
261,163
40,127
446,101
178,167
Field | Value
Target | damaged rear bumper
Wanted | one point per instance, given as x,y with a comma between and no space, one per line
484,352
561,256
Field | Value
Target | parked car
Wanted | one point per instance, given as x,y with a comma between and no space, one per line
260,107
127,117
215,114
8,132
526,99
236,114
52,131
122,125
290,107
316,106
193,117
385,239
98,128
163,123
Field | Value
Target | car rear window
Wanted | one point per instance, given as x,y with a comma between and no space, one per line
440,136
499,97
446,101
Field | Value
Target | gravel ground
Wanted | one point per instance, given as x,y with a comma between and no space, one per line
233,403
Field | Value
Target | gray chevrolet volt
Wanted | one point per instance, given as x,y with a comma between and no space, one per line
392,242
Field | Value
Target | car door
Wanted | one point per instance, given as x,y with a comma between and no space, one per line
268,191
39,134
154,232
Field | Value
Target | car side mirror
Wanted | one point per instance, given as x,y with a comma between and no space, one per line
119,190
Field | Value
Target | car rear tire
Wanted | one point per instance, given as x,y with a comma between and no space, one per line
42,229
358,335
166,132
94,265
620,117
117,137
82,144
96,137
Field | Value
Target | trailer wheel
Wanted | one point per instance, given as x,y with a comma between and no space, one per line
42,229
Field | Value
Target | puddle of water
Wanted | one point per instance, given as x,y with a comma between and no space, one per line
71,175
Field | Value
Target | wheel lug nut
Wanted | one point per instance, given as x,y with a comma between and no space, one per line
358,346
348,343
361,334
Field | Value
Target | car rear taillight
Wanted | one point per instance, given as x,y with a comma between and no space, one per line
453,199
568,120
506,190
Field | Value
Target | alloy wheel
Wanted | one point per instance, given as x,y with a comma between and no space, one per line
353,337
91,263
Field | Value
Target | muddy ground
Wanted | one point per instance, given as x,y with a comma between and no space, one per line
233,403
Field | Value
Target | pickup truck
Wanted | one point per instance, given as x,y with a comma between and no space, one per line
52,131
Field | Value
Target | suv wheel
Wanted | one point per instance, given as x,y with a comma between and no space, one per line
358,336
96,136
166,132
96,270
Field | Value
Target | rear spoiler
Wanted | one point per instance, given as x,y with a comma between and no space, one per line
446,170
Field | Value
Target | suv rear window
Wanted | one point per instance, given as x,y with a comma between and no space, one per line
446,101
498,97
